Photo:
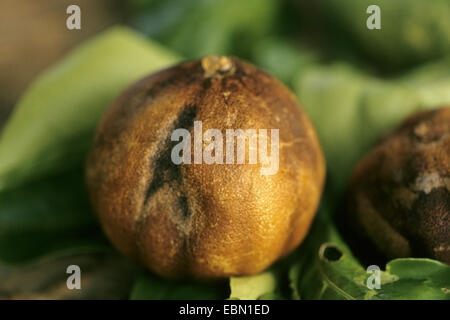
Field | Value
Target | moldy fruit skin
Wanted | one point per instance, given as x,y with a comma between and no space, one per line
199,220
399,196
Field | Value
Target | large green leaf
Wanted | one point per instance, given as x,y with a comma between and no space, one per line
52,125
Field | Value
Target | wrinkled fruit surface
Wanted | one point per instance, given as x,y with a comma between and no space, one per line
204,220
400,192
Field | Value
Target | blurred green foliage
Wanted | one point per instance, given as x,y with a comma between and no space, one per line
201,27
412,31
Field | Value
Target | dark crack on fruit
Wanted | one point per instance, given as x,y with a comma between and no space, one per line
164,170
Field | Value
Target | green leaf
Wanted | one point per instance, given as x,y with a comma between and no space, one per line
328,270
253,287
52,126
152,287
416,279
48,217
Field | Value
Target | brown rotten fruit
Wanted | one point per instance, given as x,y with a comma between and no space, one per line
400,192
204,220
